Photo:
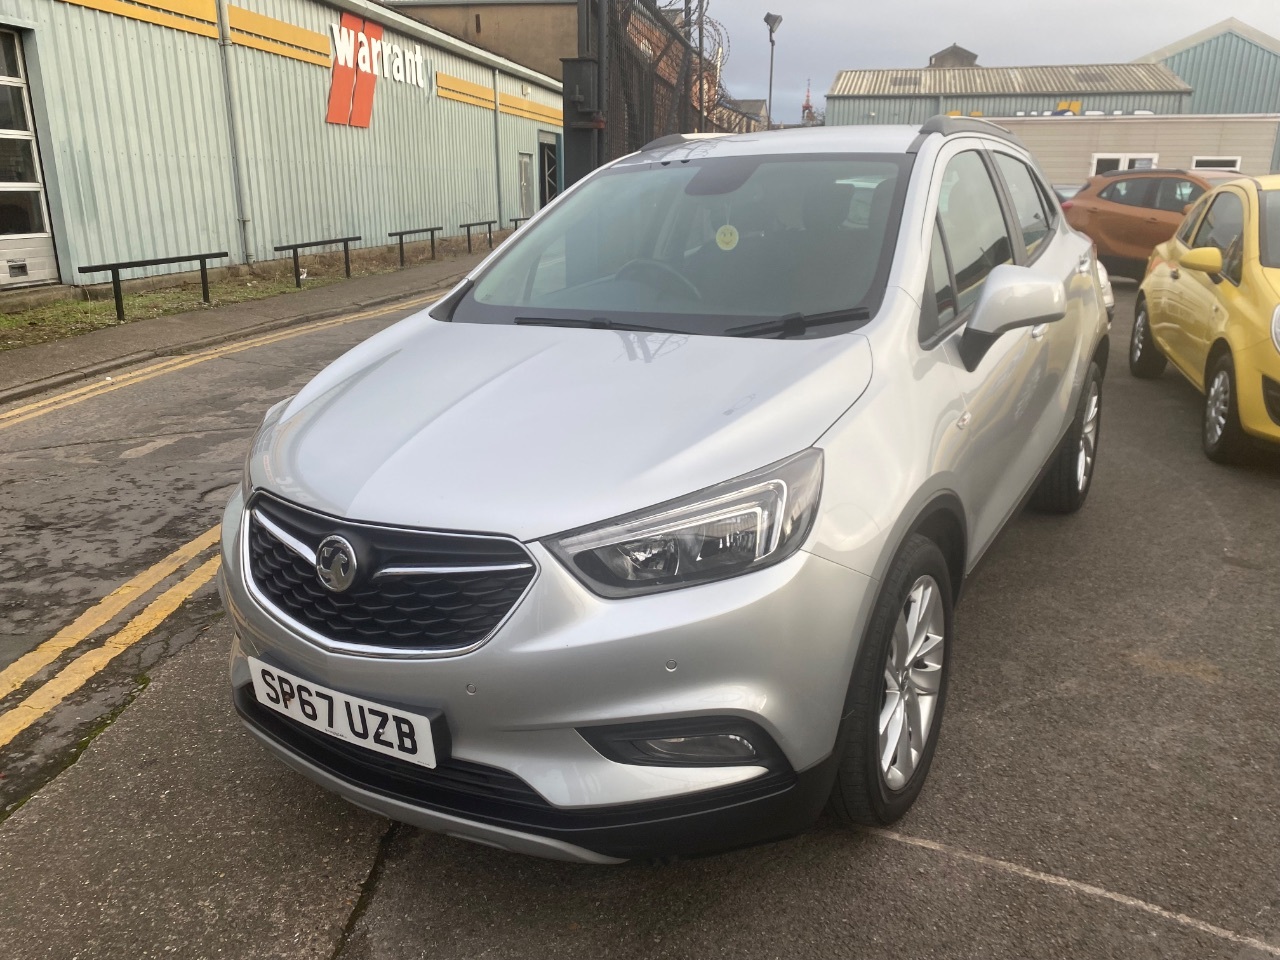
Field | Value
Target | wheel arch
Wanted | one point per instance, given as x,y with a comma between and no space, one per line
1101,354
942,520
1220,346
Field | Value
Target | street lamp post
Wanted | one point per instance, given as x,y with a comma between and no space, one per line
772,21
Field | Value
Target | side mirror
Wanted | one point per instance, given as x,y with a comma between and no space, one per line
1205,259
1016,297
1186,207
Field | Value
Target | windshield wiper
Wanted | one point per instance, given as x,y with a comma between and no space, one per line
795,324
595,323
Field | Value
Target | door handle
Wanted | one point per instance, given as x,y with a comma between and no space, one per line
1153,219
1038,330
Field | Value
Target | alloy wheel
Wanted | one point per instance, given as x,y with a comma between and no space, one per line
912,680
1217,407
1139,334
1089,438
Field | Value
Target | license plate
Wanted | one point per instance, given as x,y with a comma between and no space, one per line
365,723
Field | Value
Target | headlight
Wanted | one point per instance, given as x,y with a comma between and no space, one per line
268,419
732,528
1275,328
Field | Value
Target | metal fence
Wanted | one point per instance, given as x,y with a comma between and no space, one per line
655,82
638,76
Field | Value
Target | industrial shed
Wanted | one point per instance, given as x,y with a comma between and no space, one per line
132,130
914,95
1231,68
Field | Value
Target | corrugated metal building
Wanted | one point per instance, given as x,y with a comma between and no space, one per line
1231,67
132,130
912,96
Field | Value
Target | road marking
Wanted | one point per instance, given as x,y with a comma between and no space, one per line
1087,889
59,401
80,670
100,614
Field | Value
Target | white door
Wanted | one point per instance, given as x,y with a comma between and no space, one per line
26,245
526,185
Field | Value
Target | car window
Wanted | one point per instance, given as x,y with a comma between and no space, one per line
1269,228
704,244
973,224
1189,224
1174,193
1223,227
1132,192
1033,216
944,295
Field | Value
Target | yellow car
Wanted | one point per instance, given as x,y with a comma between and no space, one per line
1210,303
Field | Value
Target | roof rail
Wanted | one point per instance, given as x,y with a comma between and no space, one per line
949,126
674,139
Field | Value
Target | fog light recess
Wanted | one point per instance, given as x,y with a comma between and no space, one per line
692,742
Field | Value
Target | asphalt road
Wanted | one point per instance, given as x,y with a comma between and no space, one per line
1106,785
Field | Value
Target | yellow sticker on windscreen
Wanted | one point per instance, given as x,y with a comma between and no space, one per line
727,237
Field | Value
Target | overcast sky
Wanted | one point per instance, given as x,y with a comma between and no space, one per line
819,38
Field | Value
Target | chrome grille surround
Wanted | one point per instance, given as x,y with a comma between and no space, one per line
517,565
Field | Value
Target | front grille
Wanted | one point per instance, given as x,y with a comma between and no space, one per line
453,609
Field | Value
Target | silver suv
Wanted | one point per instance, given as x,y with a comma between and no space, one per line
645,540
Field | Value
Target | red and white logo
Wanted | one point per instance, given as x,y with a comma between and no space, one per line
360,56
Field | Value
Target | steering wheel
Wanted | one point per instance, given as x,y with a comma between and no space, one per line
642,265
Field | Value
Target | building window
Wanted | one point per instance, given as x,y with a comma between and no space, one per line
1106,162
1215,163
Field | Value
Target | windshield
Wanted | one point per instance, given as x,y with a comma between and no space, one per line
703,246
1269,229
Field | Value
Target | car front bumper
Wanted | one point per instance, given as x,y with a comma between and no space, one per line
1258,390
775,648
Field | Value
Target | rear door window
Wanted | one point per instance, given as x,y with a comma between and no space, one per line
973,224
1132,192
1174,193
1028,203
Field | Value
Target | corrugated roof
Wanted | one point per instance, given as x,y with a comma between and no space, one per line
995,81
1229,25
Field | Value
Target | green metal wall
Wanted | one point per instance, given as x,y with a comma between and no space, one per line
1229,74
914,110
136,140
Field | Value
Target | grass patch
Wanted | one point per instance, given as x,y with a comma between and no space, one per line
59,319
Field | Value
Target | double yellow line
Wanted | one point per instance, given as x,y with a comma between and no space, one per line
84,667
79,671
60,401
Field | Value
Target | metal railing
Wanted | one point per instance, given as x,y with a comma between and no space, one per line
115,269
401,234
295,247
516,221
479,223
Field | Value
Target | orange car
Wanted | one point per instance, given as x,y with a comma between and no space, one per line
1127,212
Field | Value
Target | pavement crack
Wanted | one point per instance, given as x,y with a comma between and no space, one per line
368,889
97,441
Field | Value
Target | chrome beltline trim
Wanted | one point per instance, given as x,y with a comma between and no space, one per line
368,650
421,571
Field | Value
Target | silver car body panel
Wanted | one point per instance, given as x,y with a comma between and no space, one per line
566,659
528,431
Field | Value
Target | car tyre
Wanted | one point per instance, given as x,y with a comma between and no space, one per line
1145,359
1223,437
1066,483
898,691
